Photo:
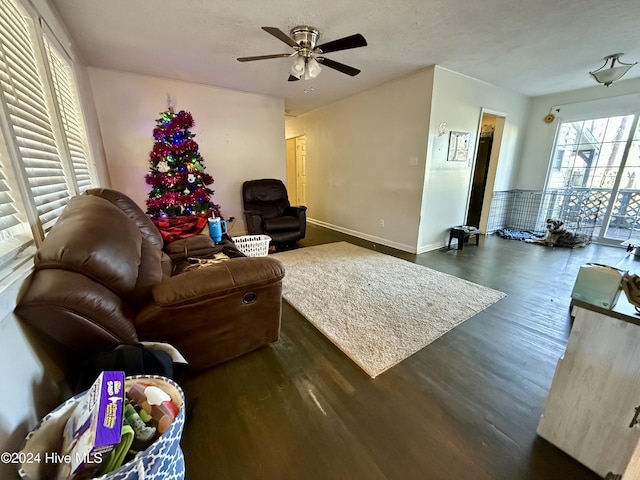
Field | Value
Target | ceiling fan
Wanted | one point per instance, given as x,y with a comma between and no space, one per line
309,55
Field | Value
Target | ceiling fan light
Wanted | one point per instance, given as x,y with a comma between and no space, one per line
303,39
298,67
313,68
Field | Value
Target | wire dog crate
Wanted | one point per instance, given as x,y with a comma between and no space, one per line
580,209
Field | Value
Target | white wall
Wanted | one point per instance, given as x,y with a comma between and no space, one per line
359,152
458,101
598,101
240,135
32,385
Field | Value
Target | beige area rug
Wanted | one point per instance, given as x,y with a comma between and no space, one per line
376,308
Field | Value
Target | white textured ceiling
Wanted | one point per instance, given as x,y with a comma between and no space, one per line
534,47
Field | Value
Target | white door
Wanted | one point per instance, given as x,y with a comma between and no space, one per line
301,171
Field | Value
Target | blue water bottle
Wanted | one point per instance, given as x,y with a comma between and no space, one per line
217,228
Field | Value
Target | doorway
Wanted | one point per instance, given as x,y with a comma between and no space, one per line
484,169
296,151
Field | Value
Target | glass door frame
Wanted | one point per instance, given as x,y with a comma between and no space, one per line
615,188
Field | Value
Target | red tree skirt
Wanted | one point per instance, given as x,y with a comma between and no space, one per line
182,226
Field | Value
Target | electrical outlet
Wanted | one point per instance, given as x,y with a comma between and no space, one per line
231,219
381,222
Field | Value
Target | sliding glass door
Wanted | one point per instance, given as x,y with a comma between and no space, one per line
595,172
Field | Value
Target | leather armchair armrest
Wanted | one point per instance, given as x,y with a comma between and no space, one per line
196,246
295,211
84,316
216,281
253,219
300,212
218,312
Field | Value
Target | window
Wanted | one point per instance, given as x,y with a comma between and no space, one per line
71,116
44,155
588,153
29,116
595,176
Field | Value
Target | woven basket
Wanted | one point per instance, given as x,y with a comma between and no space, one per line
253,245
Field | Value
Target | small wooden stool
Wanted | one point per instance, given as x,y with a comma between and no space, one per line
462,233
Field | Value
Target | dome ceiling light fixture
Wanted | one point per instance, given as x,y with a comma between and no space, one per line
615,72
303,39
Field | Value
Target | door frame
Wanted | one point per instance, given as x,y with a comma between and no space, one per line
498,135
290,152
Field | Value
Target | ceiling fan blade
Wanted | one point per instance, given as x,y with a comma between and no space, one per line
263,57
341,67
280,35
352,41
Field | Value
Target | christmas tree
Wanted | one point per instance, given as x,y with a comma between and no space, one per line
179,183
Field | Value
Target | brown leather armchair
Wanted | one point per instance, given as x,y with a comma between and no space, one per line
267,211
102,278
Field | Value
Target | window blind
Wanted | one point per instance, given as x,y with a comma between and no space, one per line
72,120
16,240
9,220
22,88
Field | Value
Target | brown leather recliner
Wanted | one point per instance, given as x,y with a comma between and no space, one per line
102,278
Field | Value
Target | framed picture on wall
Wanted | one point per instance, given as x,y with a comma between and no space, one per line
458,146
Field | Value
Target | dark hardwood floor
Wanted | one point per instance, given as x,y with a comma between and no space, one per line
465,407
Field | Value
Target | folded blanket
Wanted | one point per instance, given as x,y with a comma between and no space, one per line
183,226
512,234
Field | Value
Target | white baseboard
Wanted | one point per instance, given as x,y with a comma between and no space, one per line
365,236
430,247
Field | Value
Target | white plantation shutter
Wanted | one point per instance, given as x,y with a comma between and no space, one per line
16,241
71,115
22,88
9,220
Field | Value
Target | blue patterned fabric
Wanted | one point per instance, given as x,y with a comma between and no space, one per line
513,234
162,460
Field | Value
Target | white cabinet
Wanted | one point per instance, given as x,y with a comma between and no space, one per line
595,393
